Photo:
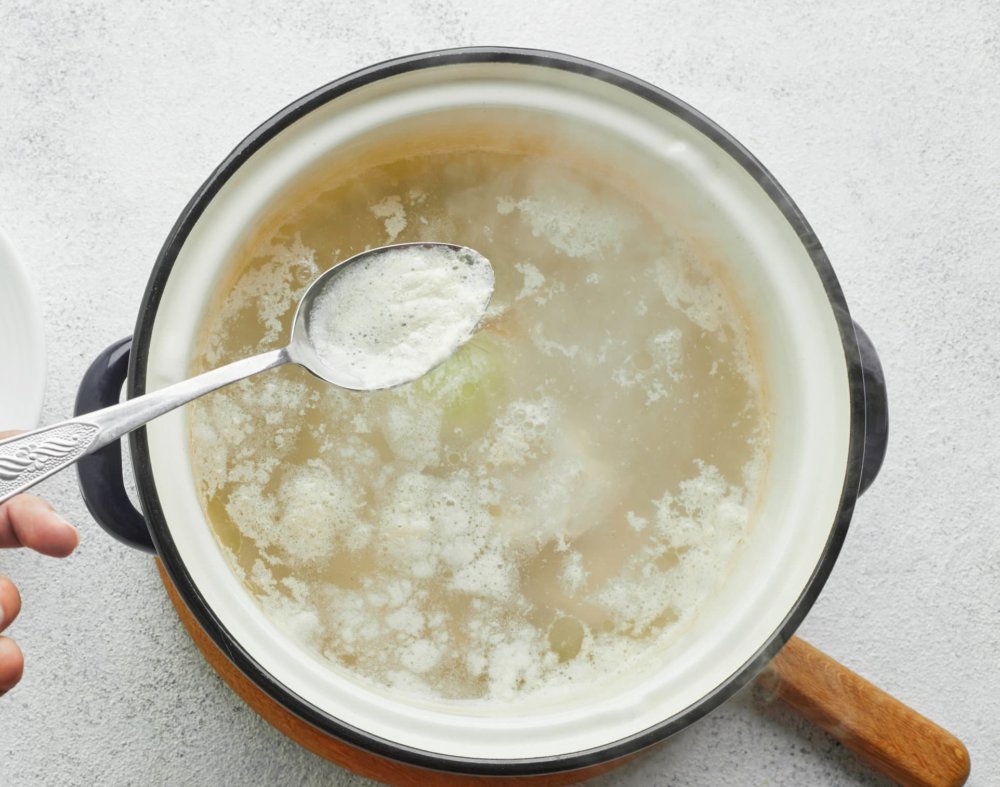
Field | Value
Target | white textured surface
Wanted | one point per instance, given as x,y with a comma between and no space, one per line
22,342
882,122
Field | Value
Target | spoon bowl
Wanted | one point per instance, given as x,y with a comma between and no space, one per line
302,347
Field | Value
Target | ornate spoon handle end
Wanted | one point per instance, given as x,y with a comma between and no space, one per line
29,458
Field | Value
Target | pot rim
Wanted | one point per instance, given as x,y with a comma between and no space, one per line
182,580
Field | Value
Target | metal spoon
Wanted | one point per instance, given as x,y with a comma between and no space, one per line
31,457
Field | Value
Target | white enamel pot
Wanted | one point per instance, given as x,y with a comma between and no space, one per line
825,382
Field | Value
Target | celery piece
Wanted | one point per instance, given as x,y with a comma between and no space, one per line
468,385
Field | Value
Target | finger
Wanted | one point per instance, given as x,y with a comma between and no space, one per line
11,664
10,602
28,521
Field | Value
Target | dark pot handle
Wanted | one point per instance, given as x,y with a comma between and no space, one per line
876,410
102,482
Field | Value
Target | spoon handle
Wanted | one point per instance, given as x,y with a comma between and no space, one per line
34,456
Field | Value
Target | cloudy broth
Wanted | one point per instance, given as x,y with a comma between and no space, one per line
552,503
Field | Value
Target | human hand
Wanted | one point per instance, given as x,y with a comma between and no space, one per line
26,521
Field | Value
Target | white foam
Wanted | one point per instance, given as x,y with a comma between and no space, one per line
687,289
533,280
521,431
636,522
574,575
272,289
666,349
487,575
550,347
420,656
570,221
391,209
389,319
309,500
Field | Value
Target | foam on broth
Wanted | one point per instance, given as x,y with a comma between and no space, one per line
553,502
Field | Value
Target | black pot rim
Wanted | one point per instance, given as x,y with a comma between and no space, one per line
327,723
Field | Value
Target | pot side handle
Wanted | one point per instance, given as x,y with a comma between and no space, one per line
876,410
102,482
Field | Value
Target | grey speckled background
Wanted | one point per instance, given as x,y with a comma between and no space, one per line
880,119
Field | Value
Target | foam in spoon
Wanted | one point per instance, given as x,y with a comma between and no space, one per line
393,317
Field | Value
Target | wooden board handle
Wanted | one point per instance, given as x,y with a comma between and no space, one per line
878,728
